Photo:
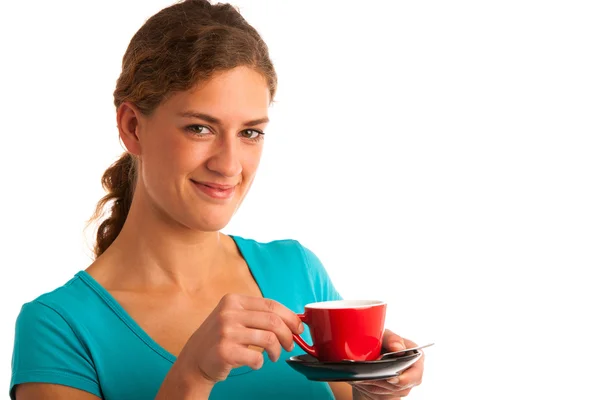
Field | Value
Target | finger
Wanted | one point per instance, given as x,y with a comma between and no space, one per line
268,322
362,393
403,390
385,386
410,378
238,356
367,394
413,374
393,342
403,393
409,343
378,387
267,305
260,338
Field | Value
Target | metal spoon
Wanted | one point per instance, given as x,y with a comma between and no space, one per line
393,353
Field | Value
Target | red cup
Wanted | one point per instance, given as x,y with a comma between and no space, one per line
344,329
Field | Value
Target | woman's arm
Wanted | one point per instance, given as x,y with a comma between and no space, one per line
51,360
49,391
179,385
341,390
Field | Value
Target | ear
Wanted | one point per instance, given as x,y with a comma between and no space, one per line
128,122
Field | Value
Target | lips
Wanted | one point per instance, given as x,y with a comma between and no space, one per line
216,185
215,190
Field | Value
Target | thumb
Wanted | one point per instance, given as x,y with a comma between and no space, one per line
393,342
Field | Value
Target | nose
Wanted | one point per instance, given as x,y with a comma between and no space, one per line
225,159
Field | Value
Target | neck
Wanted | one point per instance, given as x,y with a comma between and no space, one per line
153,250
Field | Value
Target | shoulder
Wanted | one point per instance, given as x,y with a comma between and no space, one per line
63,311
49,310
291,251
270,245
72,297
288,260
49,344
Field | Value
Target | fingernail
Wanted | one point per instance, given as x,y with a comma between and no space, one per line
397,346
393,381
301,328
292,347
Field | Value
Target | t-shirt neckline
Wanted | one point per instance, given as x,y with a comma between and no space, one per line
141,333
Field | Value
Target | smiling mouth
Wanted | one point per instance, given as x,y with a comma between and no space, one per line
215,190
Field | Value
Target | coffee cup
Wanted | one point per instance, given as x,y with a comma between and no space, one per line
344,329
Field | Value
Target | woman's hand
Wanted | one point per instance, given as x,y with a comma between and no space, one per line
223,341
393,388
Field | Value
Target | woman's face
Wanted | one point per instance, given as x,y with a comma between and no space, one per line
200,149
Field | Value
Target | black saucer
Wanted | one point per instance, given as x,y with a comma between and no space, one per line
347,371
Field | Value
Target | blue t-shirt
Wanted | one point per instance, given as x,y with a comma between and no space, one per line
79,336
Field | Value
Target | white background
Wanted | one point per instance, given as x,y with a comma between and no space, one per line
441,155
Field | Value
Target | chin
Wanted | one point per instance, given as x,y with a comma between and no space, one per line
205,216
210,223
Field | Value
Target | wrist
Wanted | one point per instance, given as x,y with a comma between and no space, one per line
184,383
357,395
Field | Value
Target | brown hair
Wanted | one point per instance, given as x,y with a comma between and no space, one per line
175,49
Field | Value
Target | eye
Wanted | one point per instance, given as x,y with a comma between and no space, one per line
252,134
199,130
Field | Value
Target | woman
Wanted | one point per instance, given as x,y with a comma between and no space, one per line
171,308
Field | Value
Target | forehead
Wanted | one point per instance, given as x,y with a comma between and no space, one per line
240,93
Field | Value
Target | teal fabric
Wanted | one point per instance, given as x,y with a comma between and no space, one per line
79,336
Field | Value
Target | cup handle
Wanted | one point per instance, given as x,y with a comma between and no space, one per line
305,346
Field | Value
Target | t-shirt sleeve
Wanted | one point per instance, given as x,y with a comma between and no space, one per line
47,350
324,288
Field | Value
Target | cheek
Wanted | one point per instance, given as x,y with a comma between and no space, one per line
250,164
164,158
185,157
170,153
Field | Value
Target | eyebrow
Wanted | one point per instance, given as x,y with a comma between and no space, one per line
216,121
